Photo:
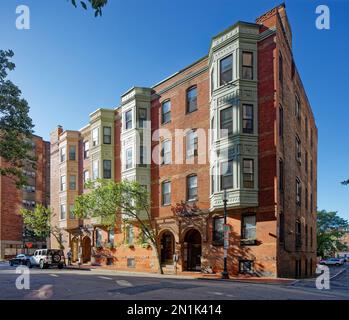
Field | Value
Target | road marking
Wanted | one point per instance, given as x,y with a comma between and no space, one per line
218,293
124,283
107,278
53,275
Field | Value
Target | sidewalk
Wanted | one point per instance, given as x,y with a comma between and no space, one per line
182,275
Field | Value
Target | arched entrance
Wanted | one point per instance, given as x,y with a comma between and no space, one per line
86,249
192,242
75,249
167,247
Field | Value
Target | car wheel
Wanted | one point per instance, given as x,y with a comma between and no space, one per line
29,265
42,264
337,264
60,266
11,264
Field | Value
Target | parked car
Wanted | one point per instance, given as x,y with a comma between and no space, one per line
20,259
332,261
46,258
345,258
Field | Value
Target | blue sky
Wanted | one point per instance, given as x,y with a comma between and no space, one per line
70,63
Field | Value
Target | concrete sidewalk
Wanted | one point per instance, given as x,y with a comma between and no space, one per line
181,275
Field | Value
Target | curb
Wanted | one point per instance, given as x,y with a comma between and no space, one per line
249,281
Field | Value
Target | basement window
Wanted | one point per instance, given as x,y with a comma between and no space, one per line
131,263
245,266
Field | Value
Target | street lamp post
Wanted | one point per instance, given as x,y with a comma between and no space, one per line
225,274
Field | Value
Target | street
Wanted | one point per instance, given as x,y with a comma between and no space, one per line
105,284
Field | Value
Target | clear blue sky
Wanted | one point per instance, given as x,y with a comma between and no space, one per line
70,63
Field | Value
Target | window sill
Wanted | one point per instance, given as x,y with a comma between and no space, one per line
217,243
190,112
246,242
166,205
164,123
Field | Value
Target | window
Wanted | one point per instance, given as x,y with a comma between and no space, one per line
218,231
86,176
142,156
86,149
247,118
128,120
72,182
298,108
129,234
298,234
107,169
166,193
166,152
306,198
107,135
166,111
281,121
248,173
71,212
281,76
212,81
63,212
311,203
298,192
248,232
98,238
142,117
95,169
63,183
282,228
247,65
306,129
72,153
191,144
298,149
226,120
306,161
226,70
281,175
213,129
129,156
111,236
95,137
213,180
63,154
192,99
227,175
311,169
192,187
245,266
306,236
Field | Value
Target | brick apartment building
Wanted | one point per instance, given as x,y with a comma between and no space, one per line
249,130
13,236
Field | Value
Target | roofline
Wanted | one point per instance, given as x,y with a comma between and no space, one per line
233,26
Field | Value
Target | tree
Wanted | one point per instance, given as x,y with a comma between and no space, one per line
96,5
330,230
38,221
124,201
345,183
16,126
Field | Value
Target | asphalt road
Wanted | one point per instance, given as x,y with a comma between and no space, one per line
102,284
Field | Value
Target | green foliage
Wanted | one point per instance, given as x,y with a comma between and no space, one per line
16,126
330,230
345,183
96,5
38,221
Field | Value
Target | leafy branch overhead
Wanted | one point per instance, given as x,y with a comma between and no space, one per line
16,126
96,5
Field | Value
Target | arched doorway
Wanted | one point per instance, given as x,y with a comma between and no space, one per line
167,247
75,249
192,241
86,249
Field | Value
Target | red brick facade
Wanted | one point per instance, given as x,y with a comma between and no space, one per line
283,222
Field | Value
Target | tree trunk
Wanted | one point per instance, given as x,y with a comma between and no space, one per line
158,257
